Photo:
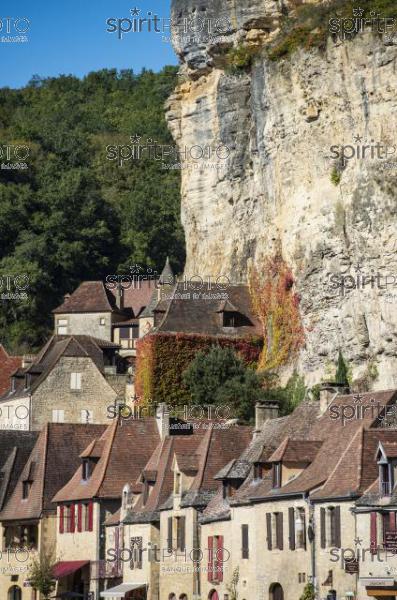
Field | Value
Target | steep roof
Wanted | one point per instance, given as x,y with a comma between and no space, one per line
122,452
8,364
201,314
51,463
56,347
296,451
15,448
340,440
96,296
259,450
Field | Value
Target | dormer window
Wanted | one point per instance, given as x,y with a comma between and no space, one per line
385,480
258,471
386,459
229,319
28,378
277,475
13,384
86,469
26,485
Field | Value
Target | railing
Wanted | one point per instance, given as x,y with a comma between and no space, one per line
104,569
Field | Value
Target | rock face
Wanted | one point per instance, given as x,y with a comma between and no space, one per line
283,182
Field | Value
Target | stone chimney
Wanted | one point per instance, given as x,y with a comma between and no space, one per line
66,297
328,392
264,411
163,420
119,297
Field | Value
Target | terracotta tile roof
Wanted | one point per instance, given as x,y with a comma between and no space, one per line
96,296
56,347
51,463
202,315
296,451
124,452
8,364
262,446
341,441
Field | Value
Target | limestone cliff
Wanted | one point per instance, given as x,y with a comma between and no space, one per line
283,184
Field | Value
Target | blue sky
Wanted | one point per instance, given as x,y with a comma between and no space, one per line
70,37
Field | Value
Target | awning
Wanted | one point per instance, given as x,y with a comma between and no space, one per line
120,590
63,569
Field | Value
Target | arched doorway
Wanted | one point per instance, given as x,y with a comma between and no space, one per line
213,595
14,593
276,592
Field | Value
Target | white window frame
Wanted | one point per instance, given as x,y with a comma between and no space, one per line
58,416
75,382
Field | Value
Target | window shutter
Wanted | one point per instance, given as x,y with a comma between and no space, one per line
374,535
392,521
79,515
279,529
322,527
337,537
61,515
181,533
304,528
72,519
291,519
269,530
210,559
169,535
90,516
244,541
219,559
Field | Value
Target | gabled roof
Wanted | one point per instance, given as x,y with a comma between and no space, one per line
51,463
8,364
97,296
341,441
161,463
188,314
15,448
123,452
56,347
296,451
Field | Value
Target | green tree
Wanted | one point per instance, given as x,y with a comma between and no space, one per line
220,377
341,375
40,575
308,592
74,214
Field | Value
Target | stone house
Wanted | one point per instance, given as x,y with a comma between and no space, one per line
188,556
137,523
8,364
68,381
91,496
294,511
34,471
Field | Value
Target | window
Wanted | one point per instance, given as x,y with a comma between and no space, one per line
258,471
75,381
301,577
277,475
62,327
178,483
297,528
215,558
229,319
14,593
330,527
274,527
136,544
389,529
180,532
385,480
87,416
58,416
244,542
86,469
102,321
26,485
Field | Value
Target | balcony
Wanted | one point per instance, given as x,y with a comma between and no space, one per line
104,569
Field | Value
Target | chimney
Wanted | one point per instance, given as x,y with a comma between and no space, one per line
264,411
163,420
119,297
66,297
328,392
27,360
